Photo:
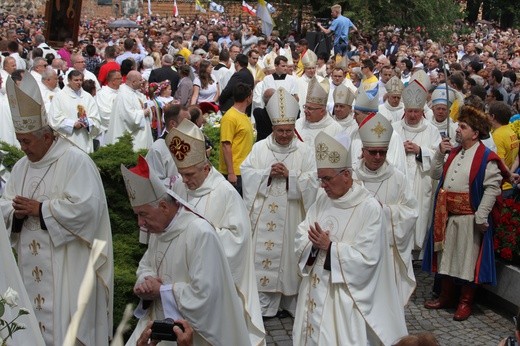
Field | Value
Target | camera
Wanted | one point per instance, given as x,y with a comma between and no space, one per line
163,330
325,22
511,341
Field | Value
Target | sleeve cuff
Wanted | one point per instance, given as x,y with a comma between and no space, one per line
169,303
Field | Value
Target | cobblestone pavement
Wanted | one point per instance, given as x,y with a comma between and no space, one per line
487,326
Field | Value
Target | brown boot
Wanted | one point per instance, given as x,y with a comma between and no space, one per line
446,298
467,293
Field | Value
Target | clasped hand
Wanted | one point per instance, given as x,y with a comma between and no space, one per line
149,289
320,239
279,170
24,207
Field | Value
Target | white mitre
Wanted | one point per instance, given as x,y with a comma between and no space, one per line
332,152
367,100
318,92
342,94
26,104
394,86
186,144
142,184
309,59
414,95
443,96
422,78
282,108
375,131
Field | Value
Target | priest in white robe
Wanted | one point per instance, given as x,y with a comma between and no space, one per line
393,108
343,100
213,197
389,186
441,102
55,207
105,100
419,138
130,115
316,117
348,294
184,273
7,133
49,87
280,78
74,113
279,187
366,104
337,78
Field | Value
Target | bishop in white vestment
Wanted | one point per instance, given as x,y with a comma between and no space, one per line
389,186
348,294
316,117
420,139
55,207
184,274
218,201
279,187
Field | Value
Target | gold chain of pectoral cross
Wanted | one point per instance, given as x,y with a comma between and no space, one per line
278,160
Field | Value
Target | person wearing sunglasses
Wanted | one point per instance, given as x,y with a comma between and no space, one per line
390,187
348,294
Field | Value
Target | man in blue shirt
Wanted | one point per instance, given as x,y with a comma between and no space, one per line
340,27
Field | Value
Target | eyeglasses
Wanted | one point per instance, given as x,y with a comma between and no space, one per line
373,152
327,179
311,109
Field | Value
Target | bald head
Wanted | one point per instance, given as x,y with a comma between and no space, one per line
267,95
134,79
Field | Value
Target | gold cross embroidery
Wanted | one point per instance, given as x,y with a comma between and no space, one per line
271,226
34,246
378,129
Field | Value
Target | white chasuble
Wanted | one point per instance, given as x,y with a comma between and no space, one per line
390,188
52,261
308,131
355,302
189,257
276,207
426,136
219,203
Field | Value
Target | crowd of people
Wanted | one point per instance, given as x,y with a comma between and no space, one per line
409,140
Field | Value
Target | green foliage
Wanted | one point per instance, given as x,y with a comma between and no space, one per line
125,232
13,154
213,133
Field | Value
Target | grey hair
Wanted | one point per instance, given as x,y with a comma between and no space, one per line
44,130
194,58
164,198
148,62
48,73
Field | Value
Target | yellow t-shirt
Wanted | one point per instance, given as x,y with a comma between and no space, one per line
236,128
507,147
185,52
369,83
